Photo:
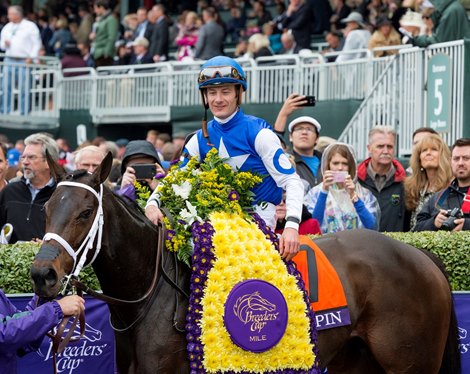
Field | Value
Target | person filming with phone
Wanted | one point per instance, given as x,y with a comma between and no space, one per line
140,162
340,203
449,209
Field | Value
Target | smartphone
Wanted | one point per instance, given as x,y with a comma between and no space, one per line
310,101
144,171
339,176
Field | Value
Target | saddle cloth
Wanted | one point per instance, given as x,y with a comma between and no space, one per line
325,291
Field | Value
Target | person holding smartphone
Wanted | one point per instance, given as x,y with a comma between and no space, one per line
339,202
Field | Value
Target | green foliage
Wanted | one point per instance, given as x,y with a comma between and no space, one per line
450,247
15,263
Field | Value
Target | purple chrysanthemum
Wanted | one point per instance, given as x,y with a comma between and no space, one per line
233,196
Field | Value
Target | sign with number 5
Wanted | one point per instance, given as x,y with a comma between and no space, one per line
439,92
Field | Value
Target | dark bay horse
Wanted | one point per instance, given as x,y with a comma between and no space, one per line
399,299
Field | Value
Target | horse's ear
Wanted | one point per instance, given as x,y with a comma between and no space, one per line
102,172
57,171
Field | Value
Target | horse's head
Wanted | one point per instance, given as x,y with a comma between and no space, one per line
70,218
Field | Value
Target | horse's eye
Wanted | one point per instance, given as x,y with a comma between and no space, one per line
85,214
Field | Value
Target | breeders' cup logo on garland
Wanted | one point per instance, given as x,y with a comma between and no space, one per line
464,342
255,315
252,309
76,353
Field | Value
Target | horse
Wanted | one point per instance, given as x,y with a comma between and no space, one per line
399,298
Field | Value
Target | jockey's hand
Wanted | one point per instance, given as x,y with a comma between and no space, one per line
71,305
289,243
128,177
153,214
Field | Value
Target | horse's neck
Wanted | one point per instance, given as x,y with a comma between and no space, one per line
128,255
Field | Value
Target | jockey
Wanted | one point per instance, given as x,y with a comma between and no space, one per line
249,144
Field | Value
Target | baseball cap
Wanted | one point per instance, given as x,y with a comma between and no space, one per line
13,156
305,119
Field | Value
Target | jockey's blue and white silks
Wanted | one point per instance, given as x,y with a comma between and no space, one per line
250,145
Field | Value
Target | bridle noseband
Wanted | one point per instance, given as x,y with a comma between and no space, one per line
95,229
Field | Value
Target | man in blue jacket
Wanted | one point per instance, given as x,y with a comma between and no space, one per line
22,332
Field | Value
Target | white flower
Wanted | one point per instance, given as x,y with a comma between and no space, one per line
189,215
182,190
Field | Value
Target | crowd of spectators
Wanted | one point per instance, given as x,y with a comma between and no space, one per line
93,33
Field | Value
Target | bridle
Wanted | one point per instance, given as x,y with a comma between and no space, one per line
87,244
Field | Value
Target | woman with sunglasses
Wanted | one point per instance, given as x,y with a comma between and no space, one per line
249,144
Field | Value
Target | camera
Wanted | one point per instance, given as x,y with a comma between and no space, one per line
339,176
144,171
452,215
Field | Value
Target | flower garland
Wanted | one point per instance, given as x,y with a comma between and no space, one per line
191,193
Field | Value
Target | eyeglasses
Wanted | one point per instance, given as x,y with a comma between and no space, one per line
301,129
219,71
30,158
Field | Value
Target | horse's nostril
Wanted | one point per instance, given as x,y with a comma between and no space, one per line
44,276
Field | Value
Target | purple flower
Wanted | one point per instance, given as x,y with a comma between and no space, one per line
170,234
233,195
159,176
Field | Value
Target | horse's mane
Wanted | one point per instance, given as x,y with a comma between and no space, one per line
129,205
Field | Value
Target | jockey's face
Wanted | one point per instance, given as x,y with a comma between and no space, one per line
222,100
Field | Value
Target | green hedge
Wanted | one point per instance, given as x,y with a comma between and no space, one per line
452,248
15,263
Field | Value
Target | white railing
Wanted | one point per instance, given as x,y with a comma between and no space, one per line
398,99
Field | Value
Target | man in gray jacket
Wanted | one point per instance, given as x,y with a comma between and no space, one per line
211,36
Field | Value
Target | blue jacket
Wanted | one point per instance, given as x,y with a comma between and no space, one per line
22,332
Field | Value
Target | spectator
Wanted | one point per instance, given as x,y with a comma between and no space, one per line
258,46
139,152
384,36
435,213
450,23
384,176
21,41
321,13
307,225
298,20
178,140
123,53
61,37
340,203
426,14
152,136
141,53
86,55
159,41
274,38
22,332
121,144
288,44
3,165
260,14
161,140
303,134
46,33
187,37
143,24
340,11
412,23
235,24
335,44
89,158
106,34
430,162
72,59
22,202
130,23
241,49
421,133
86,24
357,37
211,36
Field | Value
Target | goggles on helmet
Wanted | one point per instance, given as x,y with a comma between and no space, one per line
209,73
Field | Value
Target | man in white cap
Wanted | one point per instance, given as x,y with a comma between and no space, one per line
357,37
303,134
